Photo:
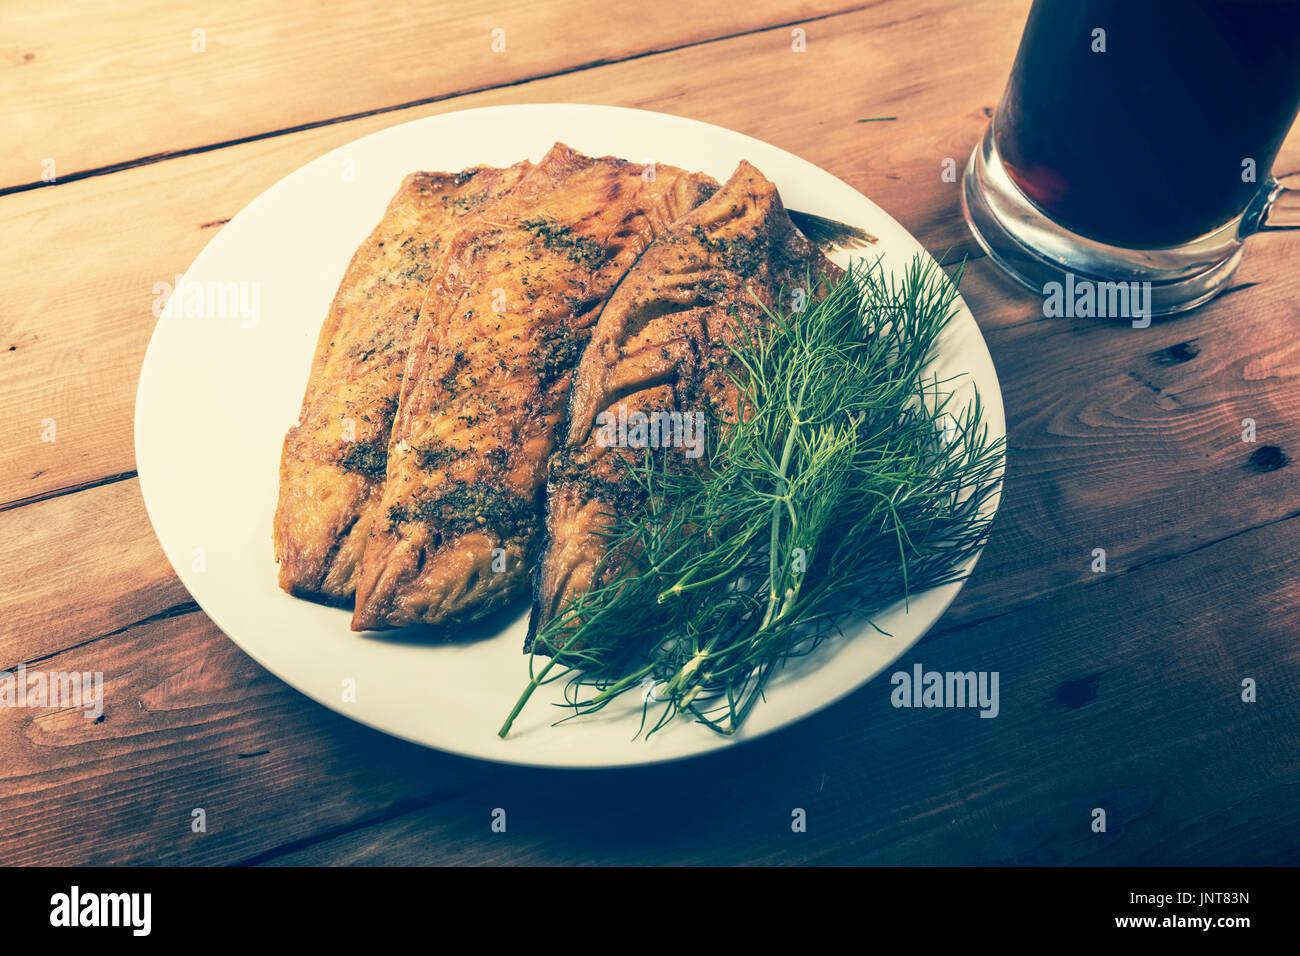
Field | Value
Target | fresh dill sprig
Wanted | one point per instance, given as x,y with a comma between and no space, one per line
846,483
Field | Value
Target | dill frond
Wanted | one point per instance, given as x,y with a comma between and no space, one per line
850,480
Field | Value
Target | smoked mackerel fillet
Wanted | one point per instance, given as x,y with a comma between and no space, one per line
487,377
332,464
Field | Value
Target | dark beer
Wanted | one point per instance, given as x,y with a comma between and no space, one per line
1159,130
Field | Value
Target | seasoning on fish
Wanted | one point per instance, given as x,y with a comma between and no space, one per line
484,389
333,462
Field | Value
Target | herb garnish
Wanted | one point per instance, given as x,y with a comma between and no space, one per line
849,481
456,507
560,238
367,458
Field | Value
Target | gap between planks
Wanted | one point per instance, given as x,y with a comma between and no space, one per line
424,101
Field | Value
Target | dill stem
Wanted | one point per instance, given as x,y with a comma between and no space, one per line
617,688
682,679
685,583
533,684
677,588
537,679
787,452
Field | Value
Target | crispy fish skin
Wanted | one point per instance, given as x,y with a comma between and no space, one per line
661,345
487,377
332,463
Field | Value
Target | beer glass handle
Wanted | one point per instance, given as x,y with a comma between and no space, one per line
1278,208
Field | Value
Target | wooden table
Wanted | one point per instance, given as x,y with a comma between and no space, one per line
1120,690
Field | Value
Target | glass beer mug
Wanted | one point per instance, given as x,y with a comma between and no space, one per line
1135,142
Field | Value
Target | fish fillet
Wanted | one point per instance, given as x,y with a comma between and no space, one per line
332,464
660,348
487,377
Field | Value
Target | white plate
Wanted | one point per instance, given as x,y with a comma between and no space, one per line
217,394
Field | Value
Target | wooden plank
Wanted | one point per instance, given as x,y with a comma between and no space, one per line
191,722
1126,696
95,87
1103,689
78,567
1131,439
71,346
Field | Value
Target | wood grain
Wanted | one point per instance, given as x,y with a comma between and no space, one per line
103,86
98,568
190,722
1131,439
